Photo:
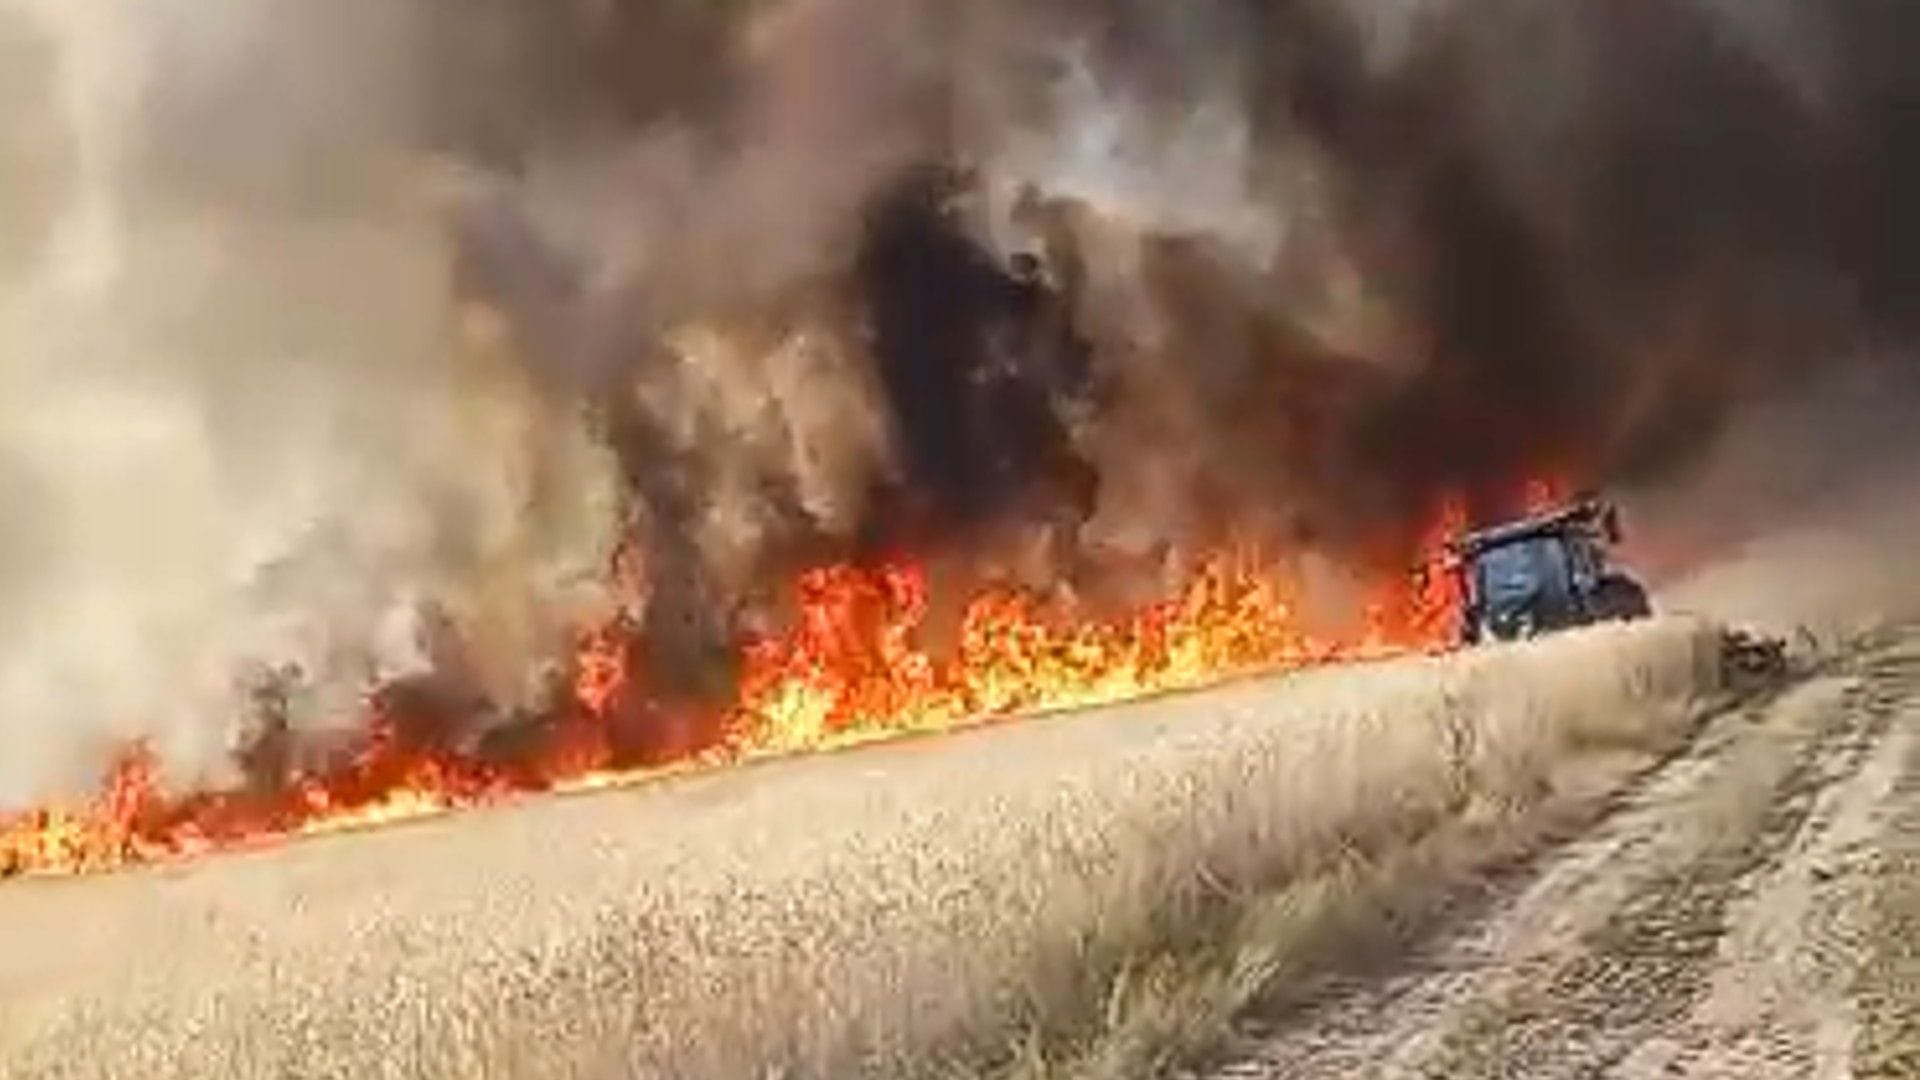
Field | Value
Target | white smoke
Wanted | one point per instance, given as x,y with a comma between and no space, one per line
1188,173
239,427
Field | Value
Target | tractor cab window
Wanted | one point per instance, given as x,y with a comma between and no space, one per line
1532,573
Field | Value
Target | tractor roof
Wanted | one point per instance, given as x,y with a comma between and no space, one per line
1579,516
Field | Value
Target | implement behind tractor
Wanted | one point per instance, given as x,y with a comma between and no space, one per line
1545,573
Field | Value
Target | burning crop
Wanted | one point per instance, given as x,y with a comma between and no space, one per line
873,335
851,668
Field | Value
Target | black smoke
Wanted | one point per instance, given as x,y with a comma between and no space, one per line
1575,237
1680,228
974,373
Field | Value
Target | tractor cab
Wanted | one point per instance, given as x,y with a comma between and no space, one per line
1545,573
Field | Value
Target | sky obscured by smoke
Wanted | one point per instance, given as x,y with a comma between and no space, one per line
316,317
233,433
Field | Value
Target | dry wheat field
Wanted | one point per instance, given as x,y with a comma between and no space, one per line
410,404
911,908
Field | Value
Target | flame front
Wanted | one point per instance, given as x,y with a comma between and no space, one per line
852,668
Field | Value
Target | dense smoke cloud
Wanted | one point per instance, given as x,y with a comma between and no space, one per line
240,435
362,336
1328,260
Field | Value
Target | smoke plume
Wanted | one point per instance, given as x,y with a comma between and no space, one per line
243,439
352,342
1304,267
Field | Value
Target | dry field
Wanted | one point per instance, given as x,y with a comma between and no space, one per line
1039,897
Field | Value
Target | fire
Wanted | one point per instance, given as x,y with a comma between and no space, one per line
1545,492
852,668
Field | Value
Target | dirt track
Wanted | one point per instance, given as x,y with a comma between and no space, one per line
1750,910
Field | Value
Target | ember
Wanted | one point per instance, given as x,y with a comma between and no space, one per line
852,668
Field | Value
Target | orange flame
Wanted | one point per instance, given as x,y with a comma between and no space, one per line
1546,492
852,668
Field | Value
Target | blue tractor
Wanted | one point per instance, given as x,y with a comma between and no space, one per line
1545,573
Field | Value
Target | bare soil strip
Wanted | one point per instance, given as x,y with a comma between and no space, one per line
1887,992
1749,912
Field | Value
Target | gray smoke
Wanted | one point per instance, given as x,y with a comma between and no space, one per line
240,425
1331,259
327,324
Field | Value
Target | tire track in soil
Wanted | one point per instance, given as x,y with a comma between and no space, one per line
1887,992
1617,938
1648,962
1356,1022
1780,999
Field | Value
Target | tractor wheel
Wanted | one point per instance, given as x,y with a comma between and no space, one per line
1620,599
